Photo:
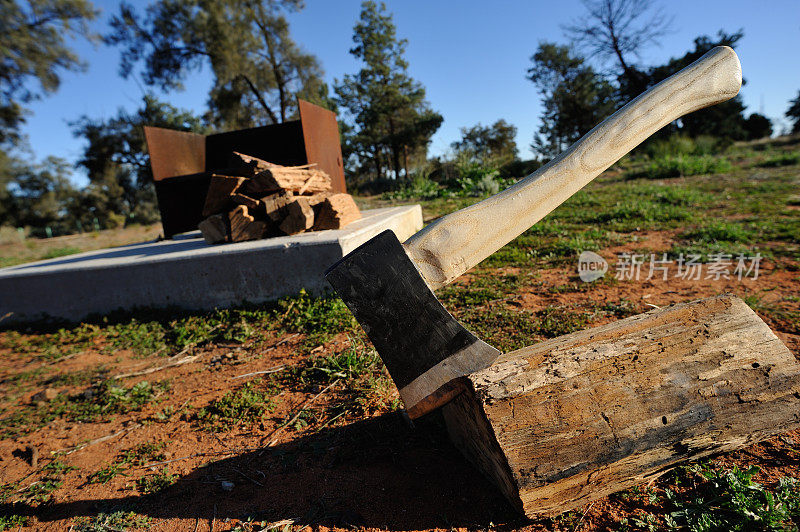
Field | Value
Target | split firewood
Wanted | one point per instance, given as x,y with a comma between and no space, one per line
244,226
214,229
299,217
336,211
305,180
274,205
219,193
317,199
566,421
249,166
251,204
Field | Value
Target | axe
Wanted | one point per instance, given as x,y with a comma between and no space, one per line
388,286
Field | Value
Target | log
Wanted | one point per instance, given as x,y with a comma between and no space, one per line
249,166
289,179
336,211
220,190
274,205
572,419
251,204
214,229
266,177
317,199
244,226
299,217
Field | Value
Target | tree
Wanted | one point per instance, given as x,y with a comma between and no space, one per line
757,126
116,160
616,30
574,96
389,114
33,47
258,69
793,113
493,144
40,195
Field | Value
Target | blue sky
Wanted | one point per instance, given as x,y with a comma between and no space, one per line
470,55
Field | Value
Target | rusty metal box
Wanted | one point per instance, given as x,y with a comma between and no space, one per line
182,162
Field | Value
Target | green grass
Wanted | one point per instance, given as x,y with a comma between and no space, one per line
782,159
362,384
114,521
60,252
12,522
732,501
98,403
718,238
318,318
683,165
137,456
245,405
41,491
509,329
160,481
484,286
782,319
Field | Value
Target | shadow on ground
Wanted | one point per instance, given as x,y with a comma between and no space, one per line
374,473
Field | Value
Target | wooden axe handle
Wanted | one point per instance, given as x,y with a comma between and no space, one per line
455,243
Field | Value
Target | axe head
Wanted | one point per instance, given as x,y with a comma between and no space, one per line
422,345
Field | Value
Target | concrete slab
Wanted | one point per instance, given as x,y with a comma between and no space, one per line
188,273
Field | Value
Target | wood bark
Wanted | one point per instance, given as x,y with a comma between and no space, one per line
336,211
244,226
219,194
572,419
214,229
299,217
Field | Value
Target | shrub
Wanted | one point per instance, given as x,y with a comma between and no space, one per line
420,187
683,165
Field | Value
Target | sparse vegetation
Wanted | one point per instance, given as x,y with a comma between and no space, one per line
105,522
138,456
10,522
94,404
242,406
150,484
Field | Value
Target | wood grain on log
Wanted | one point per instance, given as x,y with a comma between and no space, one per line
317,199
214,229
299,216
244,226
304,180
220,190
337,211
566,421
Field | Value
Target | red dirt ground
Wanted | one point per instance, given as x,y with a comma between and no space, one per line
376,473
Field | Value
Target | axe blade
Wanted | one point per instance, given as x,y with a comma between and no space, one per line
422,345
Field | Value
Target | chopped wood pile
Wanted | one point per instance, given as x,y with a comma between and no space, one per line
256,199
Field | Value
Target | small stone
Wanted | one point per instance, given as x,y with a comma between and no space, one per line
48,394
227,485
